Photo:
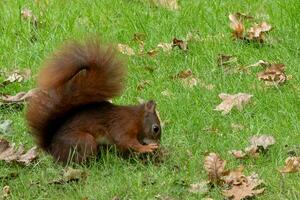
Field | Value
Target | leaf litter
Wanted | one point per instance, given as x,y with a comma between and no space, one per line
239,186
10,154
258,144
257,32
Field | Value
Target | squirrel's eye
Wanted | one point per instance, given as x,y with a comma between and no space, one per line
155,128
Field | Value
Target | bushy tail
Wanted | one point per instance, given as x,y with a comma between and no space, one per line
77,74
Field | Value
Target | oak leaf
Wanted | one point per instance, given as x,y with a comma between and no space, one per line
257,32
274,74
9,154
215,167
262,141
243,191
234,100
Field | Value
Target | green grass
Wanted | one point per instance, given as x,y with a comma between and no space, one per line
274,111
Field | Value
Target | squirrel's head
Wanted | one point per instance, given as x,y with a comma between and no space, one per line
151,124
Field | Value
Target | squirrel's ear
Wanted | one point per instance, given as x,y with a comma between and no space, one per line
150,106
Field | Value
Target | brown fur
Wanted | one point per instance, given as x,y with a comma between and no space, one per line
70,112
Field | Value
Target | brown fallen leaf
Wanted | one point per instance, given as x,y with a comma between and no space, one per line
199,188
243,191
237,24
215,167
262,141
9,154
257,32
180,44
292,164
70,175
143,84
234,100
241,186
235,177
169,4
16,76
273,75
125,49
257,145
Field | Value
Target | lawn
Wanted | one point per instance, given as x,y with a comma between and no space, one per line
193,127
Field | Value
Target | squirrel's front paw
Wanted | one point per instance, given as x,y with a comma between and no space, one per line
149,148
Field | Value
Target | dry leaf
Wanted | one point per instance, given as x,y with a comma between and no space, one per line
215,167
237,26
70,175
292,164
169,4
275,74
16,76
257,144
9,154
257,32
230,101
243,191
200,188
166,47
180,44
241,186
143,84
235,177
125,49
262,141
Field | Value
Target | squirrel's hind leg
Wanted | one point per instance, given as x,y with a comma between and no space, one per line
74,147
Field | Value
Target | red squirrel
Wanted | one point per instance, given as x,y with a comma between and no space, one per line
70,115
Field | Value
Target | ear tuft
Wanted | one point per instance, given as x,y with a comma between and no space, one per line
150,106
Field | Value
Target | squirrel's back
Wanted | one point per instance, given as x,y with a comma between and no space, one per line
77,74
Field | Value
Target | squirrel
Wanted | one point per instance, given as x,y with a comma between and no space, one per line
71,114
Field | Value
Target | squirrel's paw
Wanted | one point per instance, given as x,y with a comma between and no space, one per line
149,148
